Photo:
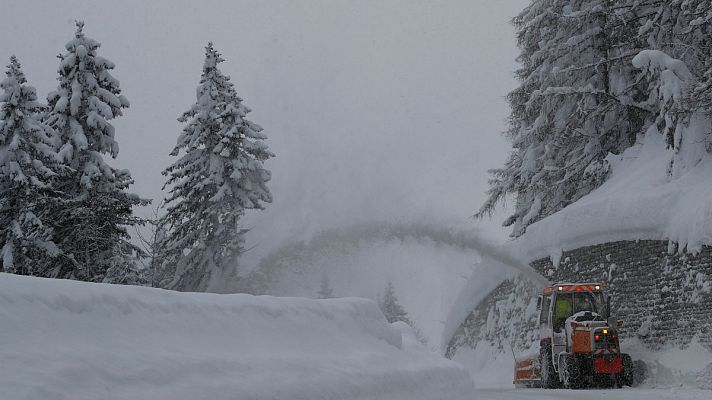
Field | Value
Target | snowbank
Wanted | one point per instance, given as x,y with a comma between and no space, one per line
687,366
73,340
643,199
489,366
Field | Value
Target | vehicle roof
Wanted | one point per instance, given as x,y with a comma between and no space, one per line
573,287
576,284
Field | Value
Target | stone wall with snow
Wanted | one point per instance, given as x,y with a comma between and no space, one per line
664,297
505,318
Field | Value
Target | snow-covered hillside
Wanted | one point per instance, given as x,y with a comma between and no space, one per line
644,198
72,340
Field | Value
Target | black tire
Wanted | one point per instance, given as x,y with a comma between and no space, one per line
625,378
608,381
640,373
549,377
571,372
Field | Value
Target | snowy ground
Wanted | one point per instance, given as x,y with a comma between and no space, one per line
594,394
685,369
72,340
674,376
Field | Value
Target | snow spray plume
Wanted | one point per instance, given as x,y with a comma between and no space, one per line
345,239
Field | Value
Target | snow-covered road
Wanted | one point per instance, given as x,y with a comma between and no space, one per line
611,394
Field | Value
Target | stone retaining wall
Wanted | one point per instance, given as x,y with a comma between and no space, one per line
664,297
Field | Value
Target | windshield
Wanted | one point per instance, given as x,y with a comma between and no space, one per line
568,304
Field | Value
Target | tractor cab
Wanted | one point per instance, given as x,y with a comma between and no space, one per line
561,301
567,304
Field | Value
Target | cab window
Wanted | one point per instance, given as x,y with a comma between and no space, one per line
563,308
568,304
545,306
585,301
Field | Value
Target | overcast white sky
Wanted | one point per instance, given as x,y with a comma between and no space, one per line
387,109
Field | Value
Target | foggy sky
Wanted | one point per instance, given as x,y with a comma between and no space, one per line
376,110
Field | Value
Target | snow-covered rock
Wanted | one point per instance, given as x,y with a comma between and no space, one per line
74,340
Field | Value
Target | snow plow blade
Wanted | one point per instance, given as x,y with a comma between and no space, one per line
527,372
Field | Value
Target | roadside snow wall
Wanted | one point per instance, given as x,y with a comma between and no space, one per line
74,340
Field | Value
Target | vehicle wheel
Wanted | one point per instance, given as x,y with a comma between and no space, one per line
625,378
609,381
640,373
570,372
549,377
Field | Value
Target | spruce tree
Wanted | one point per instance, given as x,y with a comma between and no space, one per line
695,21
219,175
28,163
90,225
391,308
579,99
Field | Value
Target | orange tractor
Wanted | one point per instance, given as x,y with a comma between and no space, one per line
578,339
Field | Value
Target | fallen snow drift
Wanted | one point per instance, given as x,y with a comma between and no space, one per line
643,199
73,340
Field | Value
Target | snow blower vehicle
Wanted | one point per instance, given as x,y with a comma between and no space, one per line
579,345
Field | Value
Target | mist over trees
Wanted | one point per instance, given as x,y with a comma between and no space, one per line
395,312
65,213
325,290
391,308
582,97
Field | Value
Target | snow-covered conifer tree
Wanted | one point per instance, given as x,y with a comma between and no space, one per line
695,22
325,290
219,175
579,100
679,70
391,308
27,164
90,224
